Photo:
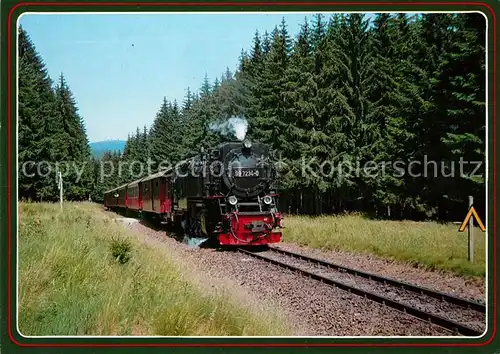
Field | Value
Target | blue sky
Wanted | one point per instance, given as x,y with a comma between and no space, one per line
120,66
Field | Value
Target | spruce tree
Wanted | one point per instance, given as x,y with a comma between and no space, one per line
73,143
266,43
188,100
270,108
299,110
459,97
164,136
39,125
318,31
205,87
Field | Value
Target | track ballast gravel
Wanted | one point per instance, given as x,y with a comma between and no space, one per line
469,317
471,288
309,307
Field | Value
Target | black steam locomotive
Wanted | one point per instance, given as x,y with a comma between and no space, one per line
229,193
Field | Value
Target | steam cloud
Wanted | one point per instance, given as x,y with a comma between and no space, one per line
235,126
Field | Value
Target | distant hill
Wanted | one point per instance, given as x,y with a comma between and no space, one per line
100,147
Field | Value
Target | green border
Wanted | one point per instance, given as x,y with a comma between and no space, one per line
7,346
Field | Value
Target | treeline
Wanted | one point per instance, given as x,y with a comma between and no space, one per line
400,89
52,135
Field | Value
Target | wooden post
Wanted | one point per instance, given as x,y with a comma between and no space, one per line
470,232
60,187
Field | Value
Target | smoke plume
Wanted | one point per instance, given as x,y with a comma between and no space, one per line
234,126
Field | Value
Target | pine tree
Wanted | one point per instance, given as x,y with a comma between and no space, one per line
127,158
228,75
205,88
388,97
434,40
73,144
164,136
459,95
299,111
256,54
318,31
145,144
98,184
271,105
38,124
188,101
216,84
266,44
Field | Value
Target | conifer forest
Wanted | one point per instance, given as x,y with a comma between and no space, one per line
399,88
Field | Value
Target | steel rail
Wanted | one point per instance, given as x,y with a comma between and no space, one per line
474,305
422,315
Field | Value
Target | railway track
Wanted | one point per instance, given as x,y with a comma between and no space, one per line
455,314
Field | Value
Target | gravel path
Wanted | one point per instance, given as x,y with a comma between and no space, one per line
310,308
471,288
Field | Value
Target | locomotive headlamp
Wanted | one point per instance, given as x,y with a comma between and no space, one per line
268,199
247,144
232,200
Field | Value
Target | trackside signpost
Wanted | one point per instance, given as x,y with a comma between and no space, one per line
59,181
469,220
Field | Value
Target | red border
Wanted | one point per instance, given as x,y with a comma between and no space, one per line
237,4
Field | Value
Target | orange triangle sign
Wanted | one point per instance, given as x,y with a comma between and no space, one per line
472,212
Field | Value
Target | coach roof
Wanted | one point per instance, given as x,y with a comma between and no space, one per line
137,181
117,188
163,173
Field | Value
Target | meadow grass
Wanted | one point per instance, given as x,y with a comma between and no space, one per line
430,244
81,274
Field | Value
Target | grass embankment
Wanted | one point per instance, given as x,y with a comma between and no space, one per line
70,283
433,245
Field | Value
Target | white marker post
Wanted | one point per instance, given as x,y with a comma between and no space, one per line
60,187
470,231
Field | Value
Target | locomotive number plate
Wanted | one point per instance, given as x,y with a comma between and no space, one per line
246,173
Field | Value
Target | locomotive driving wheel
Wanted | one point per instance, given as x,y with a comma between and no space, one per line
196,222
195,232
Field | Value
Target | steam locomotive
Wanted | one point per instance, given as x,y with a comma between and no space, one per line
227,194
